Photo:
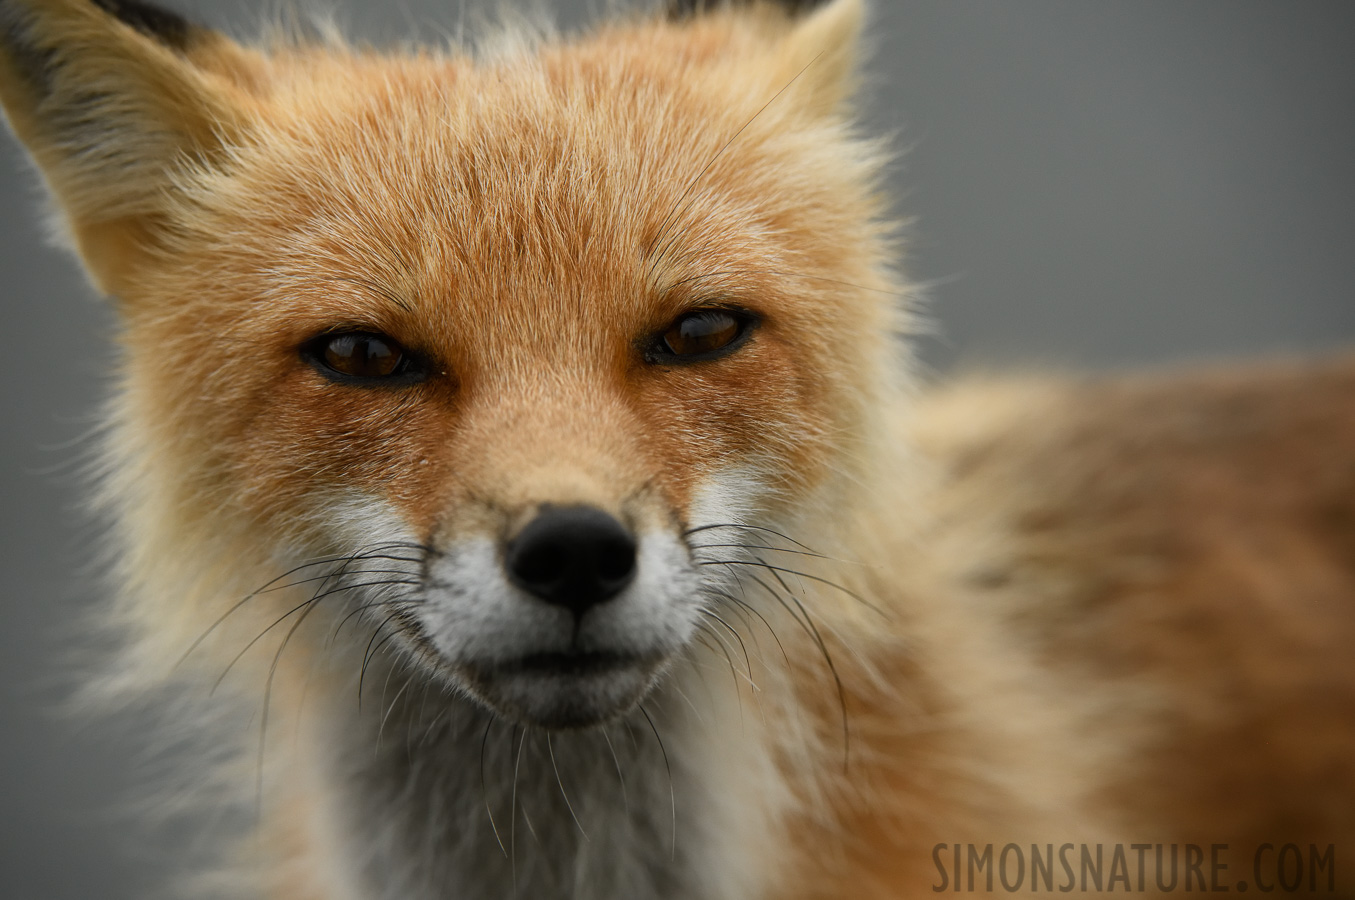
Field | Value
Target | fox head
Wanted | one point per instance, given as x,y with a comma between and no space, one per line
523,354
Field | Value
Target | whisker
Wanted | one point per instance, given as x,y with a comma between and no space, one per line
625,798
672,793
748,663
774,549
484,787
370,656
258,637
531,829
248,597
720,643
381,729
513,808
550,748
734,674
442,715
745,605
375,552
785,537
332,575
806,623
410,722
762,563
827,658
272,671
741,612
358,610
696,710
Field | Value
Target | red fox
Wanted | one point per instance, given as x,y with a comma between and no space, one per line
522,441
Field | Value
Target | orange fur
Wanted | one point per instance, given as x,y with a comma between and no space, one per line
1037,611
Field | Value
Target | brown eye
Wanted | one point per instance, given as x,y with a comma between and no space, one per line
358,355
703,334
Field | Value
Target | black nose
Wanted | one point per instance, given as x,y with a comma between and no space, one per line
572,556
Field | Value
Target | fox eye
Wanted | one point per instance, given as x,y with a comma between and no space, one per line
702,334
358,356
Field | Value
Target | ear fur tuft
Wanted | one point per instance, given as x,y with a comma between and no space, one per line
816,42
111,97
169,28
825,46
28,60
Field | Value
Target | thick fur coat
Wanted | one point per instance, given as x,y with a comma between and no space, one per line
383,315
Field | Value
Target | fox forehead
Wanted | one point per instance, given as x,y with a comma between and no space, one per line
547,208
548,184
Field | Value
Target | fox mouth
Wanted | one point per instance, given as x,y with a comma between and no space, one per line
569,651
567,665
565,690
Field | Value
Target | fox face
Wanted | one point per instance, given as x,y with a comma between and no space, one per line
530,349
522,374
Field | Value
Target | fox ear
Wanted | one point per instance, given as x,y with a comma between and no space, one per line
820,50
112,97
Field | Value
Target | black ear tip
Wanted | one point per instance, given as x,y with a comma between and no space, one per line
684,9
169,28
32,62
30,52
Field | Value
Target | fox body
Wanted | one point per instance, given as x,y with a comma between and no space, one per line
522,438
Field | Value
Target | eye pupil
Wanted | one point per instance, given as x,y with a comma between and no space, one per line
362,355
704,331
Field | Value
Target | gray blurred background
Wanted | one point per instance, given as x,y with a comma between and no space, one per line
1095,185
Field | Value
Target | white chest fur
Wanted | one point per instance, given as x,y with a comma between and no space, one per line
674,802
